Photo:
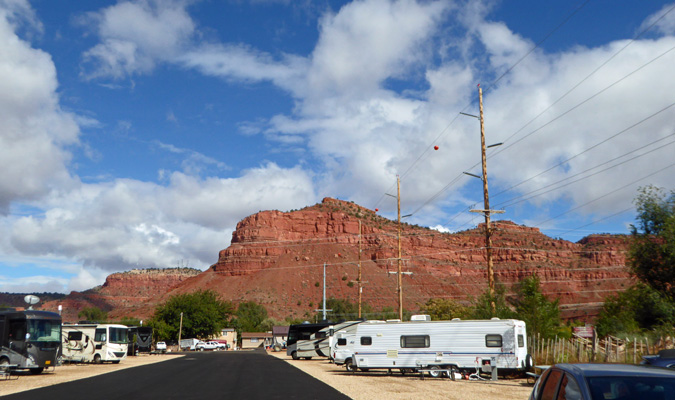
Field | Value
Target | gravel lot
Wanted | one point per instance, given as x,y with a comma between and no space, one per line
379,385
358,386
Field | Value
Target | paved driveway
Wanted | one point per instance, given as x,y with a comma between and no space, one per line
208,375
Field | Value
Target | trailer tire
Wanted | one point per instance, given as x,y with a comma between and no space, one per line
349,365
277,347
97,359
434,373
294,355
4,362
529,362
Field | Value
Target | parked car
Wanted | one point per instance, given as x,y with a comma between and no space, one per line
665,358
604,382
201,346
161,347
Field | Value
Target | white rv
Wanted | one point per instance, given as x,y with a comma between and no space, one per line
320,343
94,343
409,346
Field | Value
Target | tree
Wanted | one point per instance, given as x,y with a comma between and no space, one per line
640,308
252,317
204,315
652,252
93,314
541,315
445,309
482,306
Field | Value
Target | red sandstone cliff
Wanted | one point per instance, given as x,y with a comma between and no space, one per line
277,258
124,294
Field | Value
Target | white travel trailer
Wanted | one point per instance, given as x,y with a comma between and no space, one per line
94,343
320,343
409,346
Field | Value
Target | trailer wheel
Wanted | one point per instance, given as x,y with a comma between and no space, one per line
350,366
294,355
529,362
97,359
434,373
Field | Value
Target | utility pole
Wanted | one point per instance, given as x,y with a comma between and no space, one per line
180,329
486,202
400,276
398,259
360,287
324,294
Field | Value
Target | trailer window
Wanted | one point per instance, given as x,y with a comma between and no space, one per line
342,342
100,335
118,335
320,335
493,340
74,336
366,341
418,341
521,341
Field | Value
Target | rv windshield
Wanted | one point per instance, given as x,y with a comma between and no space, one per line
118,335
41,330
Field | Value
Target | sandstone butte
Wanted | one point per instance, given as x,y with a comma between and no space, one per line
276,259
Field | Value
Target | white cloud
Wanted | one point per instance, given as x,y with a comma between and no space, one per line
663,21
34,129
135,36
126,223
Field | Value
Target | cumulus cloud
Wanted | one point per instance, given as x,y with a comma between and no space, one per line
35,132
356,116
126,223
135,36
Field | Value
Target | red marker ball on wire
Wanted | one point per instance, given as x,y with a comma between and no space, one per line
435,147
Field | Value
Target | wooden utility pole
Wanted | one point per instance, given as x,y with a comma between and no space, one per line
486,203
180,330
360,287
400,275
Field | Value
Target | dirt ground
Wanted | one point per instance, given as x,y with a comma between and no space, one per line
379,385
23,380
358,386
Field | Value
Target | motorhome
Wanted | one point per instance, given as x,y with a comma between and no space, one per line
29,339
414,345
300,332
140,339
94,343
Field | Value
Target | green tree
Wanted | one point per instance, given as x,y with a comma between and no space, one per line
252,317
445,309
640,308
541,315
652,252
93,314
482,306
204,315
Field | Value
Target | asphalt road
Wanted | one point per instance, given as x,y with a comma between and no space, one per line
203,375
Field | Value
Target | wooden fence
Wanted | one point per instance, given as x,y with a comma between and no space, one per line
578,349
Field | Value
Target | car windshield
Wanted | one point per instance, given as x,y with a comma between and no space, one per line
44,330
631,387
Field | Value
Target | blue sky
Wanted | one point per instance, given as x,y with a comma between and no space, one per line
136,134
